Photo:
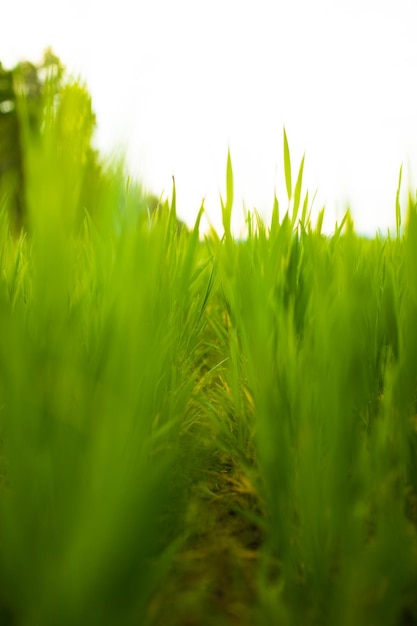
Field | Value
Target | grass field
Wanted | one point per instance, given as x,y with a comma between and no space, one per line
203,431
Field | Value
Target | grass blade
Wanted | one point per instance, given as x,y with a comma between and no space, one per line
227,207
287,167
397,203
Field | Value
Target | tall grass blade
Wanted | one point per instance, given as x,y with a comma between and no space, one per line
397,203
287,167
228,205
297,192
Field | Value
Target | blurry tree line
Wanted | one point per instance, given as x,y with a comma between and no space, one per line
23,93
30,96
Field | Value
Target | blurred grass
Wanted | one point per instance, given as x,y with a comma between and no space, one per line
95,375
201,431
327,353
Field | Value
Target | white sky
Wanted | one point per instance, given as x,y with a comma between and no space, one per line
177,82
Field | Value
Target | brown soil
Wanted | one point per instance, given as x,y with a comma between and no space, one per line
213,578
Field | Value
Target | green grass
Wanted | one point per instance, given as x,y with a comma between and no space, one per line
201,431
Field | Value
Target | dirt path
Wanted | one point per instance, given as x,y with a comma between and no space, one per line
213,578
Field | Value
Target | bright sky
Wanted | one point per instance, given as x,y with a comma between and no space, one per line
175,83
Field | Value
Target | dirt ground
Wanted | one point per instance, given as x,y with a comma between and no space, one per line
213,578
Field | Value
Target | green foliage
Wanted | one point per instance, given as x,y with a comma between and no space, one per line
43,110
23,92
96,371
320,338
334,389
135,358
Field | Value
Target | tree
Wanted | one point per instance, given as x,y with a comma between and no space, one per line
33,98
11,167
23,89
47,125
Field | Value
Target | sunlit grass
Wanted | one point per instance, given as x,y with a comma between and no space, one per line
201,430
